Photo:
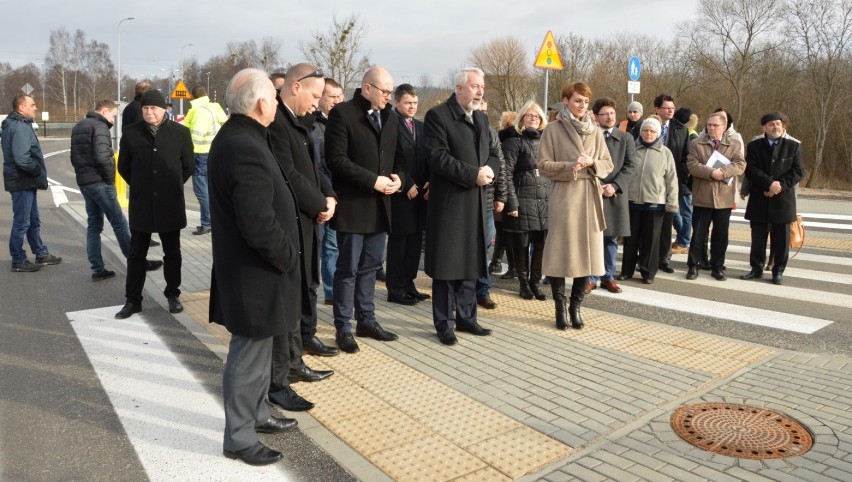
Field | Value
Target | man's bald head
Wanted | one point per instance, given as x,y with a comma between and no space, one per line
301,72
377,87
303,88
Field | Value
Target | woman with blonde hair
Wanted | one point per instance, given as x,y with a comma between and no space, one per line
574,156
525,221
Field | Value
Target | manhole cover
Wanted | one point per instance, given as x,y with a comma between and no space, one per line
742,431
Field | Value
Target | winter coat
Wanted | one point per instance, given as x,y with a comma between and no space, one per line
655,178
23,161
765,165
156,169
526,189
576,220
204,120
409,215
710,193
132,113
357,154
255,286
91,151
456,214
622,150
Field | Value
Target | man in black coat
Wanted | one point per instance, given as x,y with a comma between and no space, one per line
254,285
622,149
156,159
408,209
291,144
133,111
462,161
360,148
773,167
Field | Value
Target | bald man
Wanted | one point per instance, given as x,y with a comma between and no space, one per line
360,148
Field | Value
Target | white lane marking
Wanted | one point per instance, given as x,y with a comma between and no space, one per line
175,426
810,257
807,222
50,154
715,309
790,272
806,216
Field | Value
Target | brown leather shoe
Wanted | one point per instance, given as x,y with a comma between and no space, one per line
611,286
590,285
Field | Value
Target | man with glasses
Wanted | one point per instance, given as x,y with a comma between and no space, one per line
360,148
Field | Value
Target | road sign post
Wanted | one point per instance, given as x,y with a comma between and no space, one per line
634,70
548,59
181,93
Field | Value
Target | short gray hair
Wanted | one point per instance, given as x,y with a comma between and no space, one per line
461,75
245,88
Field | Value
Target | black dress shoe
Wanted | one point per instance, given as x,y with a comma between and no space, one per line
719,275
666,268
346,342
448,338
622,276
705,265
153,265
475,329
314,346
277,425
289,400
777,279
486,302
127,310
376,332
380,275
405,299
201,230
753,274
691,273
647,280
419,296
257,454
174,305
308,374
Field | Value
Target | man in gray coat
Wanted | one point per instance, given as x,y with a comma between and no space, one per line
622,149
462,161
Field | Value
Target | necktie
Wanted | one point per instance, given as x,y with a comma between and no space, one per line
410,124
469,116
715,144
377,121
665,133
607,135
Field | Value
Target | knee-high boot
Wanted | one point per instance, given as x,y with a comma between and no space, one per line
535,272
557,288
522,267
578,293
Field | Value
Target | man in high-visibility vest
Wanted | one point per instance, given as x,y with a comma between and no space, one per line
203,120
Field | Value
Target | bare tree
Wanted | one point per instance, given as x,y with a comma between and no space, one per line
337,51
270,56
57,63
99,80
821,31
508,71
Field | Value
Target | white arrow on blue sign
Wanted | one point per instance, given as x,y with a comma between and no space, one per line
634,68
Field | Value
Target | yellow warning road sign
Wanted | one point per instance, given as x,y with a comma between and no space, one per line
181,92
548,56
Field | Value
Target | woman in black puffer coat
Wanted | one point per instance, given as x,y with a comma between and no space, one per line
525,221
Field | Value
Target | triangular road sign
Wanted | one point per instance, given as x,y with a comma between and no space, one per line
180,91
548,56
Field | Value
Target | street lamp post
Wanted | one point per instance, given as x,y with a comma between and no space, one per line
118,74
183,71
208,83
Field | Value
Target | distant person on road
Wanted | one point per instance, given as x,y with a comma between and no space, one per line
156,160
133,111
254,284
24,173
204,119
773,168
635,110
94,165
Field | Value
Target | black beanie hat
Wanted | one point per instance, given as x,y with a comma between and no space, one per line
772,116
154,97
682,115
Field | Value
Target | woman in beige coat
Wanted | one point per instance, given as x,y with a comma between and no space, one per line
574,156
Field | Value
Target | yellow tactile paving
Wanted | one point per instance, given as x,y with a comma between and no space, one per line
427,459
512,452
395,429
466,425
488,474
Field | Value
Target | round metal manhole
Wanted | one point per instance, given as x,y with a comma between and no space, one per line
742,431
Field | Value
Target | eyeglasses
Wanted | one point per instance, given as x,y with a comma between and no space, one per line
386,93
317,74
532,116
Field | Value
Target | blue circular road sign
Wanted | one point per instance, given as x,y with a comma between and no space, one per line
634,68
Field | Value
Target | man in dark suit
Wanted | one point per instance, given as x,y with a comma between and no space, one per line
462,161
360,148
622,149
408,209
773,167
156,159
291,144
256,277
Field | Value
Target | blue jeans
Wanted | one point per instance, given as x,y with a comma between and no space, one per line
101,200
25,222
483,284
199,187
610,254
328,258
683,220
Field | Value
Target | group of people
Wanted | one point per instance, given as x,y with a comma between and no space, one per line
308,190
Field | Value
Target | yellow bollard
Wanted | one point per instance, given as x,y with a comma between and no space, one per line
120,186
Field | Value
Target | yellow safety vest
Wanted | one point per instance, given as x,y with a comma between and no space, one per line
204,120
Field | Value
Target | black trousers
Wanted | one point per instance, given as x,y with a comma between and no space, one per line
403,259
666,238
701,219
443,293
642,245
286,356
172,262
780,247
519,244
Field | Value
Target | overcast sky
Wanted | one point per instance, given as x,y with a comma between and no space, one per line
408,38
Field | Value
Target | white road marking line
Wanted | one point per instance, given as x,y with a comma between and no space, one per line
790,272
174,425
806,216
